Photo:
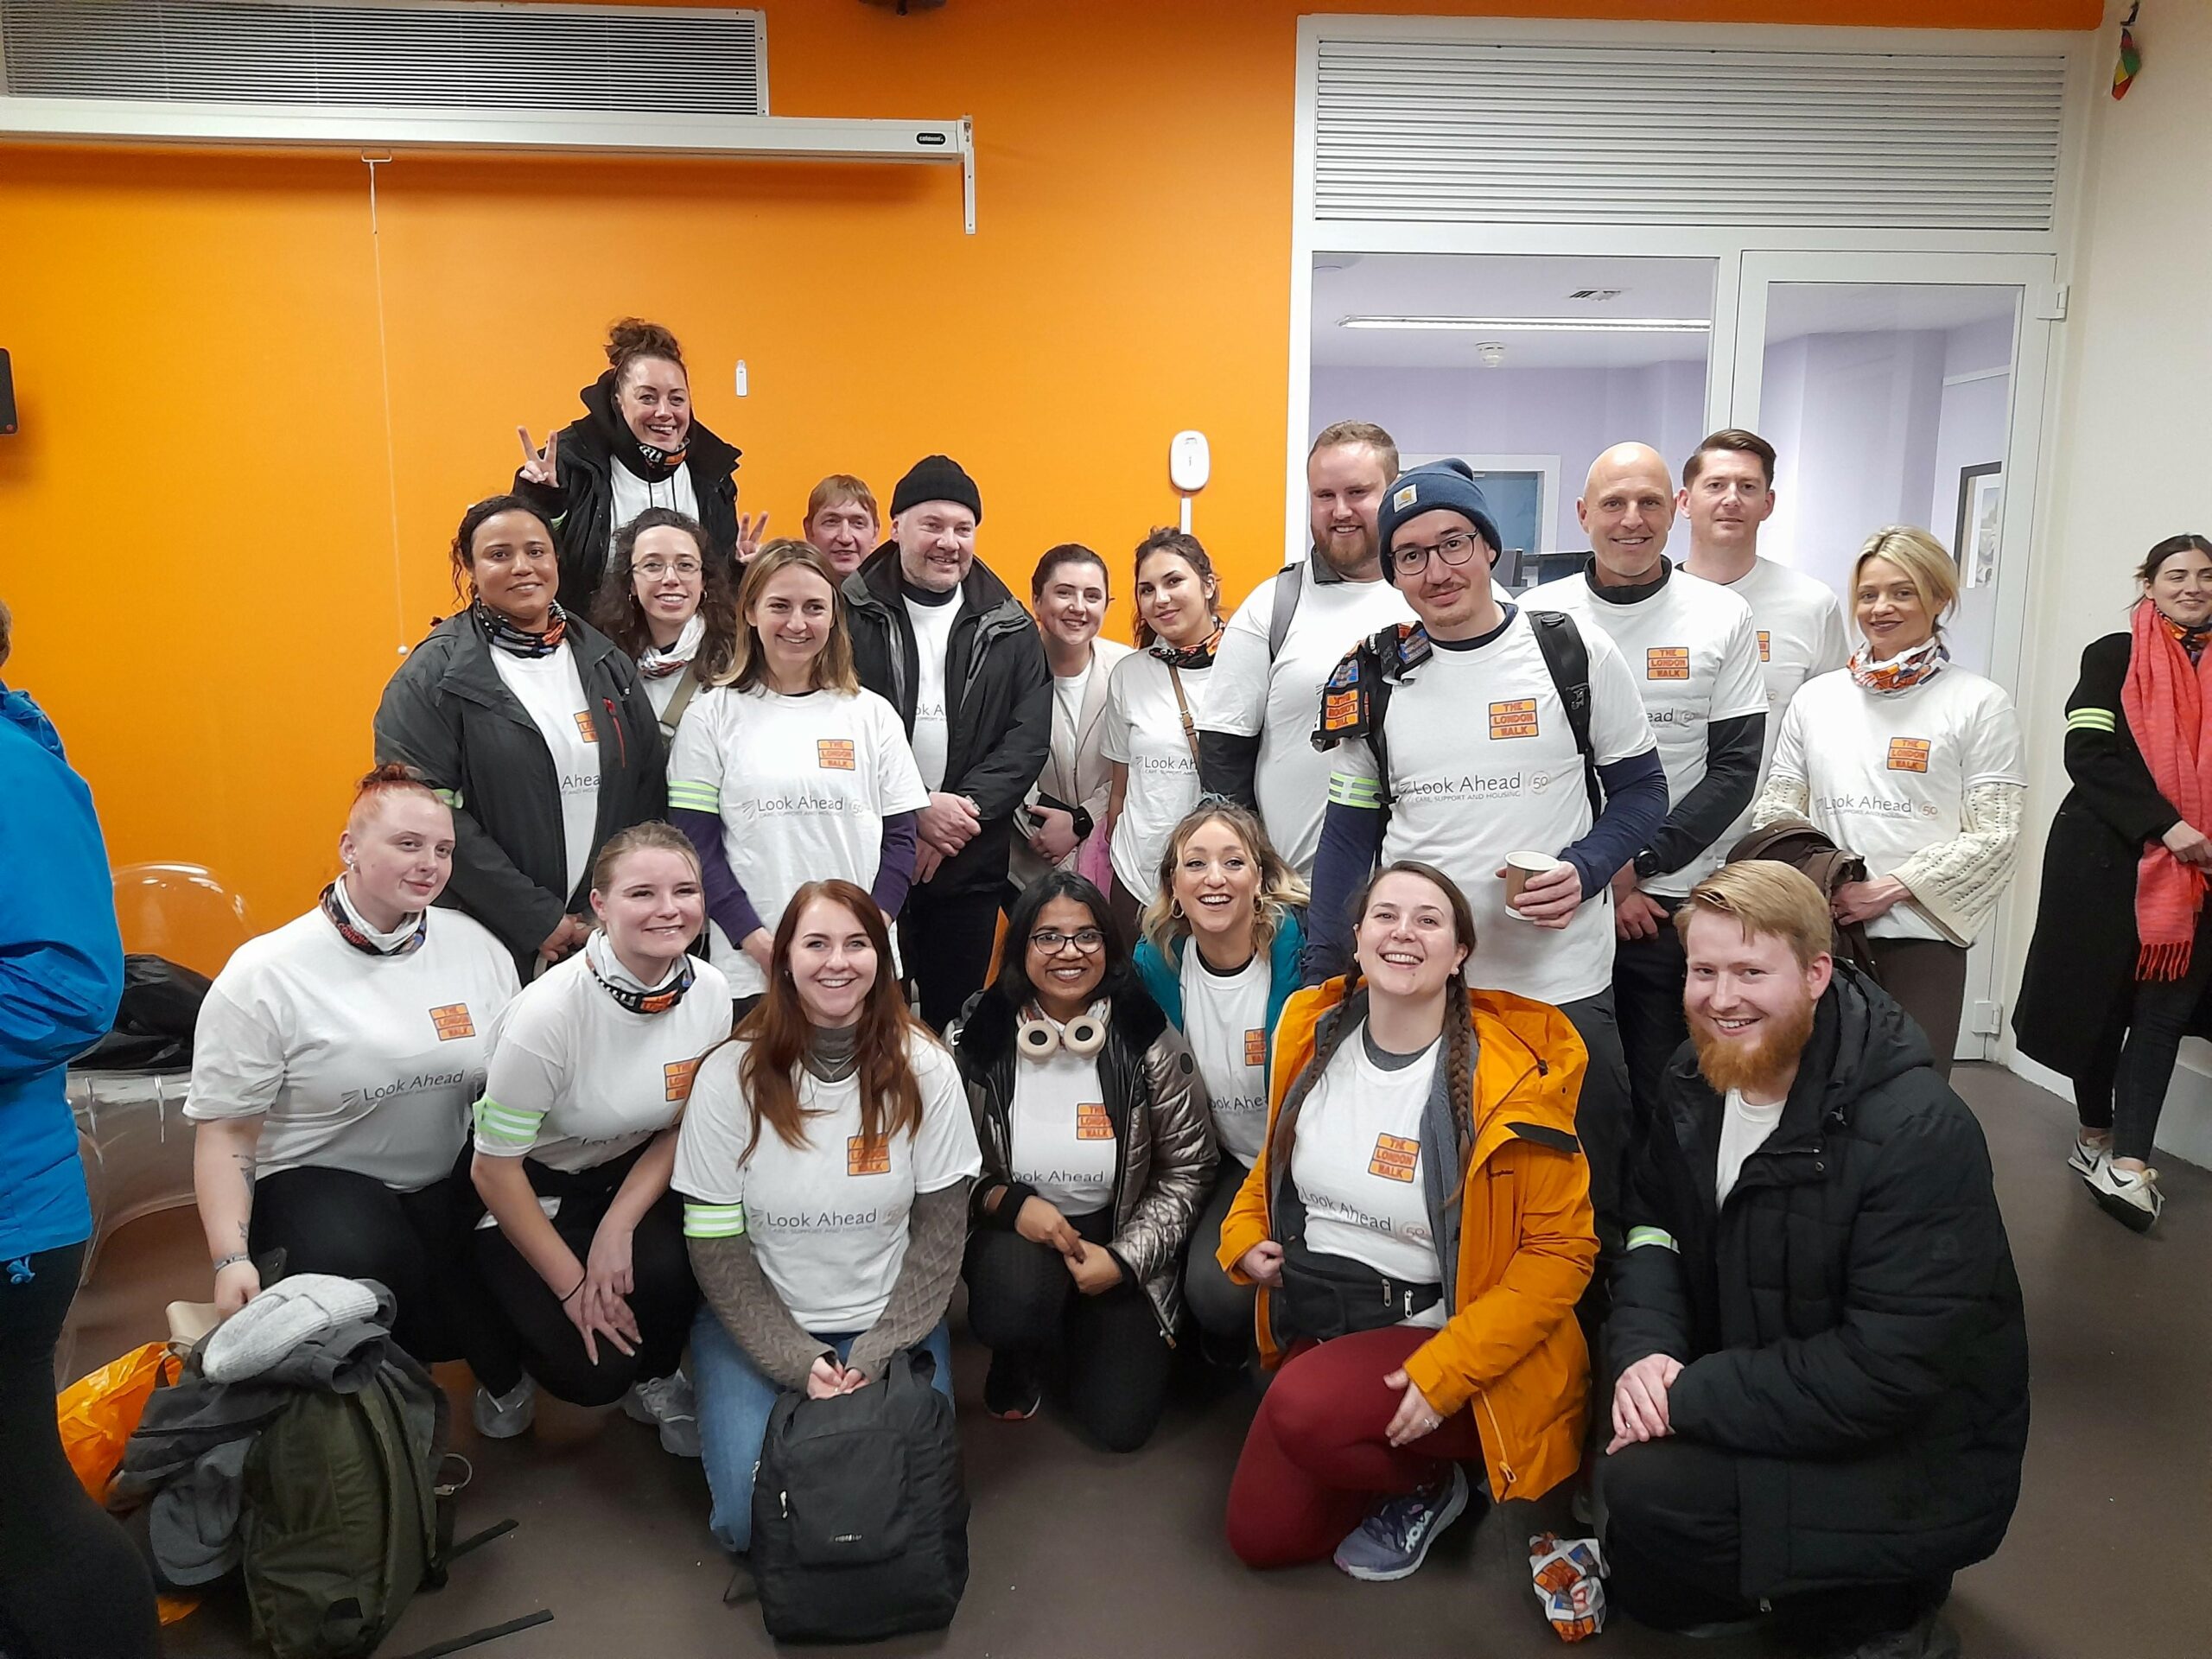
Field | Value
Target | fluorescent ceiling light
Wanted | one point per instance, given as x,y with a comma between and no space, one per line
1540,325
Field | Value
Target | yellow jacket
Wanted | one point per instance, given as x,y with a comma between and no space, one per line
1527,1242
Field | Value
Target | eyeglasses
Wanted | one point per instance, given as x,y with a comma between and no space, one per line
656,569
1052,941
1452,549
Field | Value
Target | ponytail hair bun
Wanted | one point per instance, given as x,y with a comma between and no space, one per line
388,782
634,338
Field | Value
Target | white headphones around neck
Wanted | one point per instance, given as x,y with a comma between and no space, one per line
1039,1039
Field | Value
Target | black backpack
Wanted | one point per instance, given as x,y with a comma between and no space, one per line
859,1514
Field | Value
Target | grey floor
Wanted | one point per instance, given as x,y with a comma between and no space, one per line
1078,1553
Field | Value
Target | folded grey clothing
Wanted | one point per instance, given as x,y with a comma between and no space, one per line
288,1312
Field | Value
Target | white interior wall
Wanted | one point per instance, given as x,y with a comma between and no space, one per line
2124,457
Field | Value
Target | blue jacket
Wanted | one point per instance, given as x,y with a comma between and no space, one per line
1162,975
60,976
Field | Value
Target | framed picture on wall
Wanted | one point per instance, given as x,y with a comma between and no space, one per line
1982,515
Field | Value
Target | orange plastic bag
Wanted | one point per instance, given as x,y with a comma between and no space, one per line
98,1414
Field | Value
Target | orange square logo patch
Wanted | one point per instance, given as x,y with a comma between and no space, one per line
1394,1158
1908,755
1517,718
1092,1122
1338,710
864,1157
675,1078
1667,662
834,753
585,729
452,1020
1766,646
1255,1047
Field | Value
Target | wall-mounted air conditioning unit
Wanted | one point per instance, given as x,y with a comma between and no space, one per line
397,74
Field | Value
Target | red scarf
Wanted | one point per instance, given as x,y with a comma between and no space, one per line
2165,697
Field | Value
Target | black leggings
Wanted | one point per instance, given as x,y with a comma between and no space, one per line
551,1350
1221,1306
415,1244
2123,1089
1022,1303
72,1586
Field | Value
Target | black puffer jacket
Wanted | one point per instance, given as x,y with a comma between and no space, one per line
447,714
580,505
1850,1323
998,699
1163,1130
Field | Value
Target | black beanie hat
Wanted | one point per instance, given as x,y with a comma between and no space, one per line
1448,485
936,478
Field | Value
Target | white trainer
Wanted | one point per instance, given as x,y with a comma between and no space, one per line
2088,1157
2128,1198
501,1417
670,1403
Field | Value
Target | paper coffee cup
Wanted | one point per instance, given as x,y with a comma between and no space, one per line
1519,867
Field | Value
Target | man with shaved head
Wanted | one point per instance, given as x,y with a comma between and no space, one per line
1695,652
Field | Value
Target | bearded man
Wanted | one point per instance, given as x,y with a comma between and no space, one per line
1820,1362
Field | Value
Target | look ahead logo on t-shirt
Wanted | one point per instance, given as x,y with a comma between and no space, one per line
451,1022
1394,1157
1667,662
1092,1122
1909,753
834,753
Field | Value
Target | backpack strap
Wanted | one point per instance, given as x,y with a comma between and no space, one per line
1567,659
1355,697
1290,587
489,1633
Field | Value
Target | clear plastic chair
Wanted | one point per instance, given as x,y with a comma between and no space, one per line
182,912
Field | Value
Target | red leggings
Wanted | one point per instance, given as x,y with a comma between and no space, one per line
1316,1456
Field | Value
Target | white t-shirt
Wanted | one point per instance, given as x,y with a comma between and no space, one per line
1744,1130
352,1061
1484,765
1357,1166
1889,773
577,1080
1064,1143
932,644
1801,636
1144,732
802,785
632,495
1067,695
1225,1022
828,1219
1693,646
1281,701
551,692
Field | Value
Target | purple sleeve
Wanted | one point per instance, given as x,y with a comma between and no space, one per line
894,865
726,903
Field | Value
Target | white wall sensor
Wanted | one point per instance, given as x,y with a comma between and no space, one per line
1189,461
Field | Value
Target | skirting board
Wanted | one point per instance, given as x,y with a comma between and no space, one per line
2186,1126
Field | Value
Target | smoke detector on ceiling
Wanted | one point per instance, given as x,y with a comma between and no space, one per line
1490,353
1597,294
902,7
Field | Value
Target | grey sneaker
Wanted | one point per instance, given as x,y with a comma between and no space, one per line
1930,1638
501,1417
2130,1198
1393,1541
2088,1157
670,1403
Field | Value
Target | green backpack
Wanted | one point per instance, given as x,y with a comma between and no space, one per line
344,1516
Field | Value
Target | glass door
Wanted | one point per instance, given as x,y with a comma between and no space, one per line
1905,389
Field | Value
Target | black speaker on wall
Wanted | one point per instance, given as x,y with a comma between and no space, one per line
7,396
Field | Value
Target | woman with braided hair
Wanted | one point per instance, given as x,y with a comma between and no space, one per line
1419,1225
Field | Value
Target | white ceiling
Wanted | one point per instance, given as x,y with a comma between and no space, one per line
1517,285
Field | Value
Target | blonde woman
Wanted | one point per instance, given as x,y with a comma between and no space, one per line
786,771
1218,949
1913,763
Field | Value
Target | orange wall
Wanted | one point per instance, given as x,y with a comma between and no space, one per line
197,528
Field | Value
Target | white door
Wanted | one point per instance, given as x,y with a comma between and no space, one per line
1906,388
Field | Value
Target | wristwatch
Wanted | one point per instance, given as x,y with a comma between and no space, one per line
1645,864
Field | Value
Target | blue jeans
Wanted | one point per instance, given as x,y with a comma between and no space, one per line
734,1400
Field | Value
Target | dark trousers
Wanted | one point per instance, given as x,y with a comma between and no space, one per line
945,942
1222,1307
1928,979
550,1348
1603,1116
2124,1087
342,1222
1673,1542
1648,975
72,1586
1023,1305
1126,909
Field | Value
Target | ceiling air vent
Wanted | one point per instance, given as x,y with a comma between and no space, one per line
628,58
